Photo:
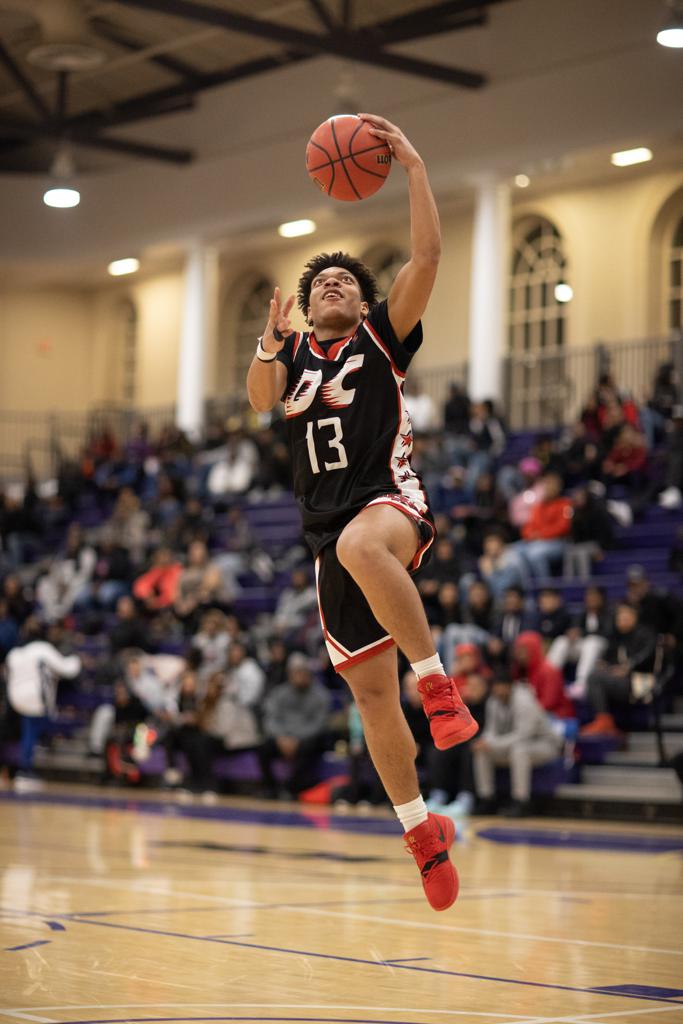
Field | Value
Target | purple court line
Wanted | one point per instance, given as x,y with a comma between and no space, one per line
28,945
370,963
185,1020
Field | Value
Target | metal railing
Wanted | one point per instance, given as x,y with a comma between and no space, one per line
541,390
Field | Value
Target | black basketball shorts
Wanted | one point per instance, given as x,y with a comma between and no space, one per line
352,633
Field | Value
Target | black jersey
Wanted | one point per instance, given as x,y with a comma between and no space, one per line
349,430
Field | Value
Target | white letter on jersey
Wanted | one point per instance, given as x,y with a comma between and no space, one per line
332,393
303,394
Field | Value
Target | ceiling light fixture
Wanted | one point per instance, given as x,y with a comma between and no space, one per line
295,228
563,292
522,180
671,34
628,157
117,268
62,195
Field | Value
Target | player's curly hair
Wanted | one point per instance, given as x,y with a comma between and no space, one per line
365,277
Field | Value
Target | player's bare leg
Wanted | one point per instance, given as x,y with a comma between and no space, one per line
428,837
375,689
375,549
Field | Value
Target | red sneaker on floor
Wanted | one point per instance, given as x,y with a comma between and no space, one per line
429,844
449,719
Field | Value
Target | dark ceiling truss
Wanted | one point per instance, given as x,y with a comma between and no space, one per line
338,37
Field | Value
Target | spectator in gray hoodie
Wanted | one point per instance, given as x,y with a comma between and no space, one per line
517,734
295,726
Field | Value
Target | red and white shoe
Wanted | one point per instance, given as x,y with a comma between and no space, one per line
450,721
429,844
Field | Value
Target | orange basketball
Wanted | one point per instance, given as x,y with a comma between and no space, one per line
345,160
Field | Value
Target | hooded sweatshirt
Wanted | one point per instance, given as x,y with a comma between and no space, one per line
546,680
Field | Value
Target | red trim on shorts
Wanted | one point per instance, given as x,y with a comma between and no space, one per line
410,514
356,659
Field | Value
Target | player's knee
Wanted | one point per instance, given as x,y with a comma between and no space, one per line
356,549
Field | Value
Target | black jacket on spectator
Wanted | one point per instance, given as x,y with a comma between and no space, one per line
553,624
636,648
592,522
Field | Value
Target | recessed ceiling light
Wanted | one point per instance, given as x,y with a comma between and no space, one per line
563,292
120,267
627,157
522,180
294,228
672,32
62,198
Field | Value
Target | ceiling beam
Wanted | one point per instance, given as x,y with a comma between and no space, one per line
324,16
24,83
357,47
112,34
16,128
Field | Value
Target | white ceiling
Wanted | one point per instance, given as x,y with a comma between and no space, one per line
569,82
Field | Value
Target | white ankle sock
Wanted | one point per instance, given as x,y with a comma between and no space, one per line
429,667
412,814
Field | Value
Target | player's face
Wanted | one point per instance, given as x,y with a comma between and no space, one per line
336,300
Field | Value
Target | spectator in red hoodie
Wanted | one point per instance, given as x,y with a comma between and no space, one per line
546,532
530,664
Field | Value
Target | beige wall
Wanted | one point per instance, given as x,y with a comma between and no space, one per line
60,348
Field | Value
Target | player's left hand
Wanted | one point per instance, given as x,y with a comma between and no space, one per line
401,149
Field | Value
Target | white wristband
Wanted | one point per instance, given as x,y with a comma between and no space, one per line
262,355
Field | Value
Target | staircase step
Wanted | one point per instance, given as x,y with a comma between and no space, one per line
627,779
610,795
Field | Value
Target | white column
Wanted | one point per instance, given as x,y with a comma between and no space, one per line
198,322
488,289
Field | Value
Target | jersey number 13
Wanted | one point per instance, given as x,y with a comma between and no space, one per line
333,443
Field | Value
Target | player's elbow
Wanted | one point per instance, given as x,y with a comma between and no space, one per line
429,255
260,403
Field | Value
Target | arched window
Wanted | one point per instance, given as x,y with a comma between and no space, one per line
384,261
537,319
675,298
538,390
244,313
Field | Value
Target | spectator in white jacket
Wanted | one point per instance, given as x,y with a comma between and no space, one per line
33,673
68,577
517,734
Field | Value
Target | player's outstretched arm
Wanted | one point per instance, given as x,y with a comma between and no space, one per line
414,282
267,377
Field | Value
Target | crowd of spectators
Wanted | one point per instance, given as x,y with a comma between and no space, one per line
146,546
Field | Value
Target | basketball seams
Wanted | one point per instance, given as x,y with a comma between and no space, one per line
336,160
349,178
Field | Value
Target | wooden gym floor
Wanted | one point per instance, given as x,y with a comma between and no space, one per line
119,907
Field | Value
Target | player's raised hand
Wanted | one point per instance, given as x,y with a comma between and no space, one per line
401,149
278,326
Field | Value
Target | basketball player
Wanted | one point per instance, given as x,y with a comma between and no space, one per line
364,511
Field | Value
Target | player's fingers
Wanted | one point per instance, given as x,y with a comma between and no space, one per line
376,119
288,305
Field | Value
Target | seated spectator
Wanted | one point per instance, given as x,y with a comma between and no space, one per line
128,525
522,502
630,650
553,617
546,531
158,587
501,566
486,442
154,679
233,466
201,585
584,642
295,726
275,662
475,624
128,629
513,618
658,609
456,416
244,683
113,572
517,734
127,715
626,460
592,533
446,608
666,394
443,567
33,672
213,642
530,666
68,578
9,629
672,494
19,603
467,661
296,606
